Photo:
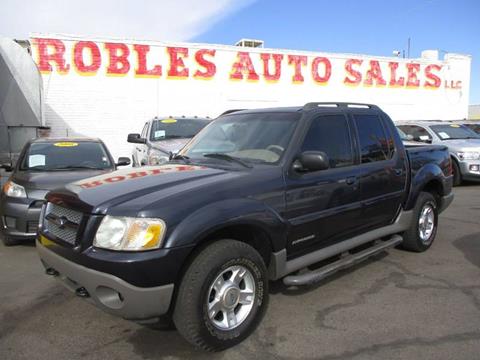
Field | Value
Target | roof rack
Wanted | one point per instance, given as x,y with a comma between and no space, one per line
230,111
315,105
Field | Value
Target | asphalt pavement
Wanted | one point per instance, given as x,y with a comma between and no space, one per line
397,305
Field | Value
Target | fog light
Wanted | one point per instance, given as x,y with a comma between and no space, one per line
474,168
11,222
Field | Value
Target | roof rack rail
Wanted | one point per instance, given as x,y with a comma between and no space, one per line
230,111
314,105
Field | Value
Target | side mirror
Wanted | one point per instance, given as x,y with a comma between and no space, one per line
123,161
410,137
7,167
136,139
312,161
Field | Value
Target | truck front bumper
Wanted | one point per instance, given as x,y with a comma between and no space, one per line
470,170
19,217
106,291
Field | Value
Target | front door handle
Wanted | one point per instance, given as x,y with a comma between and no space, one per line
398,172
351,180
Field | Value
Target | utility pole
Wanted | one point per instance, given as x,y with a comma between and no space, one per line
408,48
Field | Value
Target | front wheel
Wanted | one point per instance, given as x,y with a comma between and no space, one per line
223,296
457,175
9,241
423,229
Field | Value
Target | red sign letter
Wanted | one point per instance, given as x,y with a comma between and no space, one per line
374,74
328,70
277,58
92,184
412,79
435,81
96,59
393,75
297,61
357,76
57,56
142,69
210,67
244,63
118,63
177,66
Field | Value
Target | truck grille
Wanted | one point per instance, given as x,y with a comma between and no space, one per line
62,223
32,227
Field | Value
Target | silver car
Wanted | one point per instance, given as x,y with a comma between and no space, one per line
471,124
162,136
462,142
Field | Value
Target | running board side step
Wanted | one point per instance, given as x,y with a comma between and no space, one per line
345,262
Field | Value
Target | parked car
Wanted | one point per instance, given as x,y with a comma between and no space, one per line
255,196
471,124
43,165
162,136
462,142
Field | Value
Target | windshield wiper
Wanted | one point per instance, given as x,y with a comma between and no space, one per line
185,158
223,156
76,167
174,137
461,138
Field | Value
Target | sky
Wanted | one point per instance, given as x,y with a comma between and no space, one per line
374,27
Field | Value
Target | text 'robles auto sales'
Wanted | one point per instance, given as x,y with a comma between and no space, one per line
90,58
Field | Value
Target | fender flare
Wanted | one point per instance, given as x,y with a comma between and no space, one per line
429,172
221,214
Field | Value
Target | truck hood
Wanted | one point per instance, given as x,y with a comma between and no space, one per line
49,180
137,187
173,145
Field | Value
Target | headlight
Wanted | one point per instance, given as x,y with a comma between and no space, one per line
130,234
156,157
469,155
14,190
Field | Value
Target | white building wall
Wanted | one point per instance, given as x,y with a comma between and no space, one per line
110,107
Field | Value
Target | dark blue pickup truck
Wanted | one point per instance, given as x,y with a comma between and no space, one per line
257,195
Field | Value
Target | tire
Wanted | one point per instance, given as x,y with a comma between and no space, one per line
202,286
419,238
9,241
457,176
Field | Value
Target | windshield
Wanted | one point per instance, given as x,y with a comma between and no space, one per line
62,155
474,127
259,137
176,128
454,131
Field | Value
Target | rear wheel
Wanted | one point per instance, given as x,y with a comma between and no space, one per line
423,229
223,296
457,176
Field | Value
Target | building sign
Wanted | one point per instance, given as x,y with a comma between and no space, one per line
91,58
108,88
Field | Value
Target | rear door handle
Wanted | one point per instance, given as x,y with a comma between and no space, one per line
351,180
398,172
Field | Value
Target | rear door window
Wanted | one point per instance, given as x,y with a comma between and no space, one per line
374,143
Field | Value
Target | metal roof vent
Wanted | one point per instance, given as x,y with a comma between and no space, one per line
250,43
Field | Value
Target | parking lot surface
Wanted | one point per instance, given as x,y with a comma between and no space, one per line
398,305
